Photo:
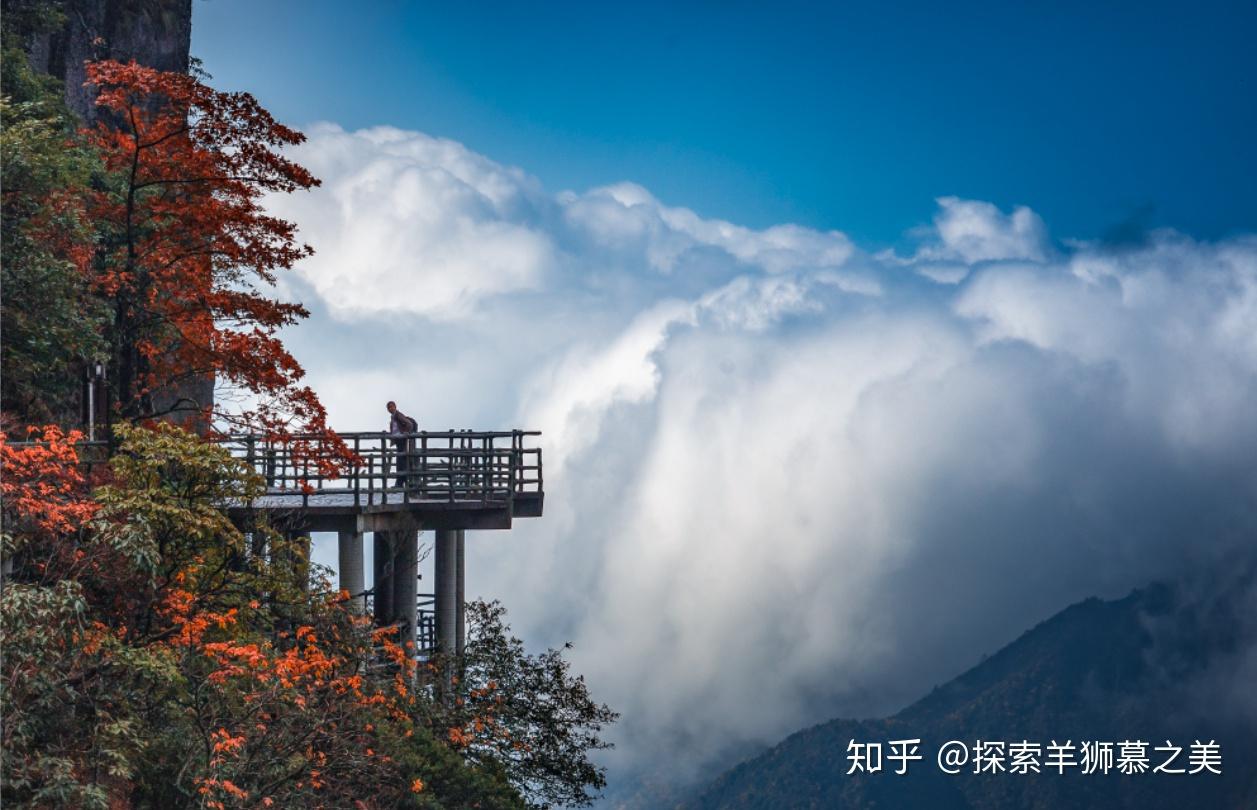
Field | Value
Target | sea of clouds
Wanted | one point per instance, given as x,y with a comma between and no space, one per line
786,478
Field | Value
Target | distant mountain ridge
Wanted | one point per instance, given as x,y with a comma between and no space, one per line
1163,663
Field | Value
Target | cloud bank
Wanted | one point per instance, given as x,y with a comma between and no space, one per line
786,478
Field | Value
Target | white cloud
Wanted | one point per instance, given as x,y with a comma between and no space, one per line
625,215
406,223
974,231
410,224
571,396
786,479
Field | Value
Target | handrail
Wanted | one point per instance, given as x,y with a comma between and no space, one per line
491,468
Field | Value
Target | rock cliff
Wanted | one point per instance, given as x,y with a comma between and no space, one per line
156,33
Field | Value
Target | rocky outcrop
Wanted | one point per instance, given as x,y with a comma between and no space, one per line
156,33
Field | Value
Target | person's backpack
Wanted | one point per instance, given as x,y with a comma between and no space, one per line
407,424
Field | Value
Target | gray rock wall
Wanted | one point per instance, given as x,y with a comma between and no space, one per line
156,33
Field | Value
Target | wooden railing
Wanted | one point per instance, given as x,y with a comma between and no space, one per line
455,466
489,467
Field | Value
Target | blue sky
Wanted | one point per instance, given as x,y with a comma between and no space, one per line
1098,115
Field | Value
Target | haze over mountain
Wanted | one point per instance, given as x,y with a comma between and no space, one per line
1168,662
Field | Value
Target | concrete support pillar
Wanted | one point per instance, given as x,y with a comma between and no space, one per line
446,586
238,558
406,586
304,548
460,595
299,559
382,567
257,544
349,559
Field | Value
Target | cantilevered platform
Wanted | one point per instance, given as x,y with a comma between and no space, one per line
397,485
456,479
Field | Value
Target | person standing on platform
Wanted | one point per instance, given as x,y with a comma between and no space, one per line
401,425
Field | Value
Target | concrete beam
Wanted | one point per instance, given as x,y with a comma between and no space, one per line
401,518
393,517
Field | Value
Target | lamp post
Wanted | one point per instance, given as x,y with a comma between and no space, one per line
95,373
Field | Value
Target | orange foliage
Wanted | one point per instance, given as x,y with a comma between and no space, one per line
284,715
42,487
307,696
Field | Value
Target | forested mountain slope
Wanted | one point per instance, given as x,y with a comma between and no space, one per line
1165,663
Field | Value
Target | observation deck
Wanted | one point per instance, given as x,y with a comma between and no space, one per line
454,479
398,485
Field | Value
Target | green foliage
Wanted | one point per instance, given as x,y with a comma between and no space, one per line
20,22
22,19
165,508
84,669
526,714
450,782
52,685
51,323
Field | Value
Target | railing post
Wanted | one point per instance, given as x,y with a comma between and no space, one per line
268,452
404,453
357,467
517,461
423,462
486,456
305,480
385,463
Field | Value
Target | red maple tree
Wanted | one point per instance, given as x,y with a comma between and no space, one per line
187,252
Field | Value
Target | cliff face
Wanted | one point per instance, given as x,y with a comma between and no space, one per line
156,33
